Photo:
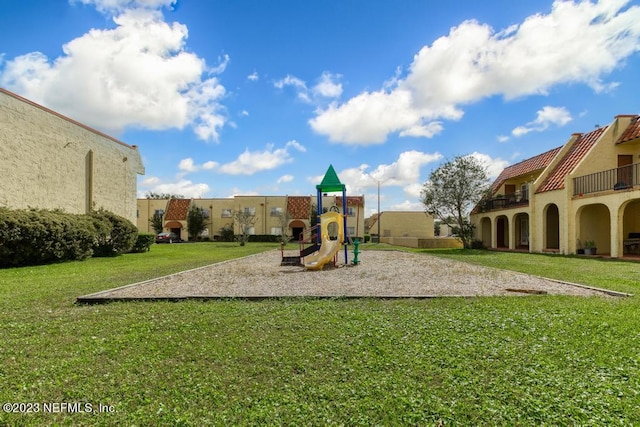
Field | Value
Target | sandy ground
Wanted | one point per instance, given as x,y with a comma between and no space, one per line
380,274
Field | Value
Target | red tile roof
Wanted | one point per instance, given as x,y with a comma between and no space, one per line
580,147
299,207
632,132
351,200
177,209
524,167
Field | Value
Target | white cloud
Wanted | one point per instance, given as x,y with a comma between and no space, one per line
117,6
414,190
405,171
408,206
299,85
150,180
502,138
493,166
473,62
184,187
369,117
295,144
327,86
138,74
251,162
285,178
558,116
187,165
209,165
254,77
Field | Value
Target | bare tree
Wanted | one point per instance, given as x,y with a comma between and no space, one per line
453,190
244,220
283,221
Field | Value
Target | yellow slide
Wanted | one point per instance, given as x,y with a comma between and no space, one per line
328,248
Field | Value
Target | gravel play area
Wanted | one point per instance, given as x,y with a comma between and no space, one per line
387,274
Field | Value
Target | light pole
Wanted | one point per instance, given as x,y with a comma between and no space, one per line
378,181
378,221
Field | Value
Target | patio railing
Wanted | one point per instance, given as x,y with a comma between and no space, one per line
518,198
612,179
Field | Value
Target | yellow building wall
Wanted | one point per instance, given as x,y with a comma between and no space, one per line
51,162
218,209
264,206
404,224
145,210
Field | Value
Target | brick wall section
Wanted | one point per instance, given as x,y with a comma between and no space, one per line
299,207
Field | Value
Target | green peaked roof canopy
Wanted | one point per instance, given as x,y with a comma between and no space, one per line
330,182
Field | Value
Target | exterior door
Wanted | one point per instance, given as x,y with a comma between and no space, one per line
625,171
524,231
500,225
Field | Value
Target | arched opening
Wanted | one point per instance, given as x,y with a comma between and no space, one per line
174,227
296,227
631,228
552,227
485,231
502,232
595,228
522,231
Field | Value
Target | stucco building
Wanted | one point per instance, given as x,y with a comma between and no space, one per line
587,190
416,224
50,161
266,210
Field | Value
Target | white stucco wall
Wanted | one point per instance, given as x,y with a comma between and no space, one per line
49,161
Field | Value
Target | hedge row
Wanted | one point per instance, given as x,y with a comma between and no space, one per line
38,236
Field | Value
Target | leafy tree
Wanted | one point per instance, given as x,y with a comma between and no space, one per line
245,220
156,223
453,190
196,221
152,195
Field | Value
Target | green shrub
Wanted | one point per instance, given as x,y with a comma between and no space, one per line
115,235
143,242
269,238
226,234
477,244
32,236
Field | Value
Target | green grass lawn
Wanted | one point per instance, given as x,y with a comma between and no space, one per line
535,360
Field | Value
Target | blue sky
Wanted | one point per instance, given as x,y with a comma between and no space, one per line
247,97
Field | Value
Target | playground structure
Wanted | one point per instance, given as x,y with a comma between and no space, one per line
330,241
326,238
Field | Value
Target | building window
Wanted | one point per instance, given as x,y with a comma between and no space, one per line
351,231
251,230
227,213
250,211
137,213
158,212
276,231
351,211
276,211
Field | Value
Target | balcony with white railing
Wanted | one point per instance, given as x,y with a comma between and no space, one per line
620,178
